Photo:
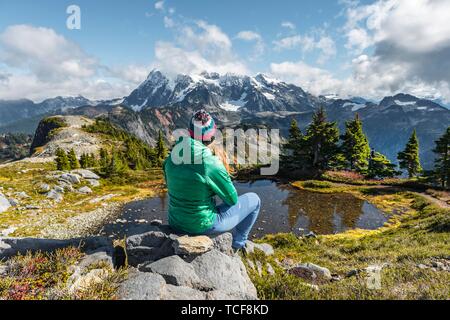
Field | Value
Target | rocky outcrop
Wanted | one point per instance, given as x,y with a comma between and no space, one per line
184,267
10,247
162,265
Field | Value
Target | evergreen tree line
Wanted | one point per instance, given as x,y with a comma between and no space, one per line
321,148
130,153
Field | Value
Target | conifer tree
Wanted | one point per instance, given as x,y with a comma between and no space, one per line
116,165
73,160
84,161
62,161
161,150
409,158
355,146
442,162
104,159
293,151
321,140
92,161
380,167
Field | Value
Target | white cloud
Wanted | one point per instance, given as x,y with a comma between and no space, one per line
169,22
259,47
198,47
410,41
247,35
307,43
315,80
288,25
159,5
43,64
48,54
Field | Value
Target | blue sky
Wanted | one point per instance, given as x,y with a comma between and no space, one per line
326,46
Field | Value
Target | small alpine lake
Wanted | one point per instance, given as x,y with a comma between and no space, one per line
284,209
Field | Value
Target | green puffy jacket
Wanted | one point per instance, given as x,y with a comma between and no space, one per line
192,188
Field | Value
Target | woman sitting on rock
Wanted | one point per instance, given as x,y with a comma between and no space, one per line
193,186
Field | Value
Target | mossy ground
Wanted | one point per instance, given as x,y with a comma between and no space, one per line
417,233
25,177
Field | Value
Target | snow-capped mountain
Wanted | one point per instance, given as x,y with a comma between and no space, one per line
228,92
166,103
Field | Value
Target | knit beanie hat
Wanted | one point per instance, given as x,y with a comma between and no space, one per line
202,126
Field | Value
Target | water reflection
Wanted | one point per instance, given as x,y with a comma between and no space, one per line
284,209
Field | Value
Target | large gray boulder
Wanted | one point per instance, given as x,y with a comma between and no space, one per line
86,174
72,178
4,203
142,286
148,247
176,272
224,273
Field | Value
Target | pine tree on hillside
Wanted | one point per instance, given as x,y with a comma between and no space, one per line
409,158
92,161
61,160
294,151
355,146
380,167
321,140
161,150
442,162
116,165
84,161
73,160
104,159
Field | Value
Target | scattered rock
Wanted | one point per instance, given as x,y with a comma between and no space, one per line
93,183
259,268
59,189
8,231
86,174
270,269
22,195
43,188
55,195
4,203
3,271
192,245
264,247
14,202
72,178
311,272
84,282
156,222
311,234
65,185
85,190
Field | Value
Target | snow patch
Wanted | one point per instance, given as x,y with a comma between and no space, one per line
404,103
269,96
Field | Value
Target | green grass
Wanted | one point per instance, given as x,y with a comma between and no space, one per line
27,176
415,237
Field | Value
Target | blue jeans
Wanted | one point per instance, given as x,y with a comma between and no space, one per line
239,219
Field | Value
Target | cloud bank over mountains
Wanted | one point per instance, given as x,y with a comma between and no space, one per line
389,46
